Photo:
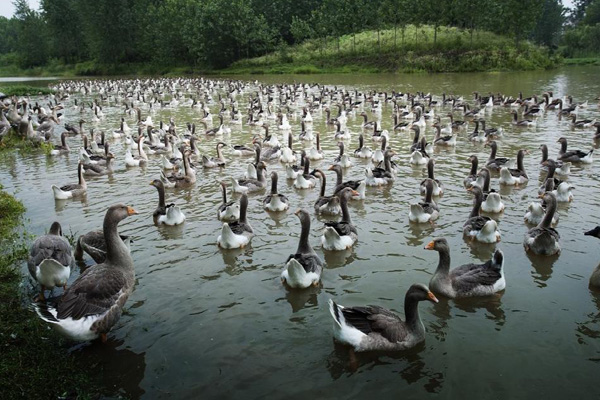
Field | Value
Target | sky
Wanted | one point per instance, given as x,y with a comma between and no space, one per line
7,9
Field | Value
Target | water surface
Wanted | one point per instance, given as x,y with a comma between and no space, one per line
205,323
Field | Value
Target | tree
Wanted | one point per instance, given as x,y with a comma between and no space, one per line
65,29
32,46
549,25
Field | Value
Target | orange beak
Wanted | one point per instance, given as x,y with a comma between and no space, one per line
430,246
330,168
470,189
131,211
297,212
355,193
432,297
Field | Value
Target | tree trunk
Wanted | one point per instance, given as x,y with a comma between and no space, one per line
403,31
338,44
435,29
416,35
395,35
378,40
354,42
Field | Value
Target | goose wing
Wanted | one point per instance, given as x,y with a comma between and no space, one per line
375,319
468,276
95,292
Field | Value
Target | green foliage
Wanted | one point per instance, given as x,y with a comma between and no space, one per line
93,37
24,90
456,50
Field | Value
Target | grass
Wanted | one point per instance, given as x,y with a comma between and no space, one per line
455,50
35,363
24,90
582,61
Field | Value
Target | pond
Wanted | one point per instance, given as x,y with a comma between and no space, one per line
203,322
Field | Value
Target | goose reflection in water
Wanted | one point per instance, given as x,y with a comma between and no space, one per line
412,367
542,268
121,369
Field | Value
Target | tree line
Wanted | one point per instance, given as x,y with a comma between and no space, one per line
215,33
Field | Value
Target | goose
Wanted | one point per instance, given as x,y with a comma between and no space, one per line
275,202
186,179
72,190
362,151
242,151
543,239
469,280
214,162
342,159
438,187
63,148
293,170
595,278
583,123
490,132
343,234
270,140
165,214
140,160
523,122
315,153
50,260
305,180
285,124
381,176
326,204
424,211
535,213
492,201
551,182
562,169
456,124
341,134
477,227
472,177
228,211
447,140
375,328
251,185
419,156
287,153
303,269
98,169
340,185
563,192
367,123
305,134
237,234
574,156
495,163
378,154
515,176
91,306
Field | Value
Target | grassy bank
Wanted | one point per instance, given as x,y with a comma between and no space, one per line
582,61
24,90
455,50
35,363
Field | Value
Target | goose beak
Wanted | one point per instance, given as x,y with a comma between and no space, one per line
431,297
152,183
297,212
430,246
541,196
471,188
355,193
131,211
330,168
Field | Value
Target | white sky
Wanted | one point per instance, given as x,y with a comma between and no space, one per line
7,9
